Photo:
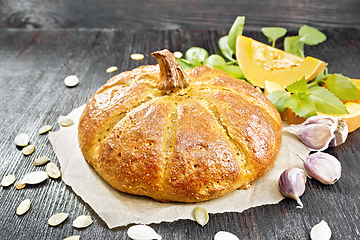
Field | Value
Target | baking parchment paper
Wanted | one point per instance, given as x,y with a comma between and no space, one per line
120,209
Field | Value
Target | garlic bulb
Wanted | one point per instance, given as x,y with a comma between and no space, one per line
318,132
292,184
323,167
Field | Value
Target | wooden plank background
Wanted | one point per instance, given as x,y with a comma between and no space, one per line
37,53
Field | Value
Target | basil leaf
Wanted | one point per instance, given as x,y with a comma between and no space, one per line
235,30
326,102
311,36
298,86
279,98
225,49
303,107
342,87
184,64
294,45
273,33
214,60
196,55
232,70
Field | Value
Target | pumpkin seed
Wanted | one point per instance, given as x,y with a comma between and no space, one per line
22,140
71,81
111,69
58,218
19,184
178,54
23,207
201,216
137,56
52,170
29,149
142,232
41,160
222,235
65,121
35,177
82,221
8,180
75,237
44,129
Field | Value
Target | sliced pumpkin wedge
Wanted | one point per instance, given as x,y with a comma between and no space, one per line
260,62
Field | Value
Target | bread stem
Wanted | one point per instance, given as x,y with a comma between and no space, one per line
172,77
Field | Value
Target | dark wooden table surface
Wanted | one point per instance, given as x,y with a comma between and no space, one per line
42,42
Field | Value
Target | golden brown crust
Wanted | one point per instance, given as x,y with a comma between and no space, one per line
194,144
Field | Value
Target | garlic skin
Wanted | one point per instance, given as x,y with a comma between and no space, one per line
323,167
320,231
340,133
292,184
318,132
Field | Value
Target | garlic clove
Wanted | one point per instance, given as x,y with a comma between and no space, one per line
320,231
323,167
292,184
316,132
316,136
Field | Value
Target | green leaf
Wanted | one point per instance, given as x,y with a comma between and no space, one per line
303,107
273,33
294,45
225,49
235,30
326,102
279,98
298,86
184,64
342,87
214,60
196,55
232,70
311,36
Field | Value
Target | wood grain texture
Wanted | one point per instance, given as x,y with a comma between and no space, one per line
34,64
171,14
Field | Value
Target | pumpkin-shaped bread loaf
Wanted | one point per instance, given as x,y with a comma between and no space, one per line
173,136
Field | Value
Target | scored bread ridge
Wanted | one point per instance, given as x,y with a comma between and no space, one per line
182,147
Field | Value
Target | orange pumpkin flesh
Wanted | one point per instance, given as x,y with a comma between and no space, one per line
260,62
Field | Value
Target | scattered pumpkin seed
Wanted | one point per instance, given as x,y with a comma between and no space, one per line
71,81
65,121
22,140
29,149
19,184
23,207
35,177
111,69
178,54
201,216
44,129
82,221
222,235
75,237
58,218
41,160
137,56
8,180
52,170
142,232
320,231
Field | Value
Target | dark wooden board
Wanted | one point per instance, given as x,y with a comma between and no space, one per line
174,14
33,65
